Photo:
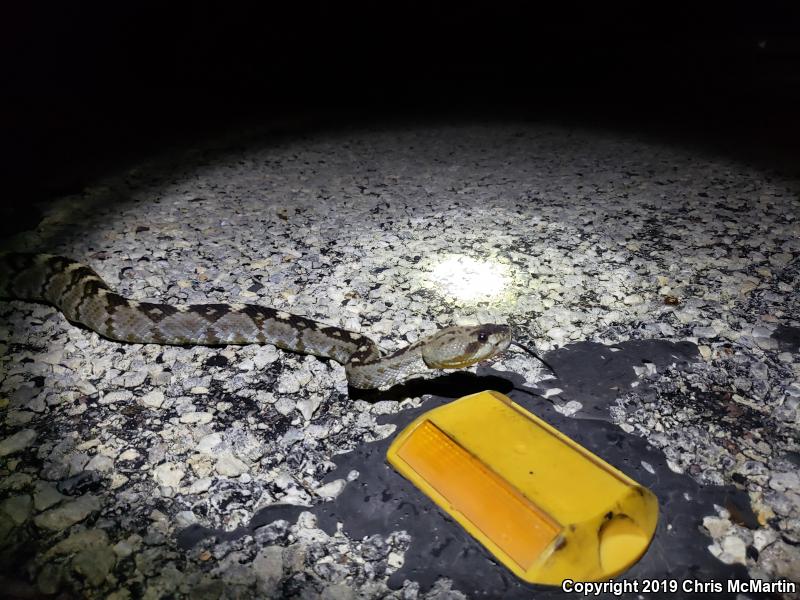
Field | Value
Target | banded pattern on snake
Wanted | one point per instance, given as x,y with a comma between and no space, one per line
84,298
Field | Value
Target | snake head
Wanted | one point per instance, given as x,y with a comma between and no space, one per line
461,346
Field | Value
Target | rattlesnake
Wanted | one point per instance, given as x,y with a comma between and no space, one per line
84,298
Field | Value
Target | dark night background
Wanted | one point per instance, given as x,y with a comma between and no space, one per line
91,87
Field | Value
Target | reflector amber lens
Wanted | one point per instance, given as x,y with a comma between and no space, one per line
498,510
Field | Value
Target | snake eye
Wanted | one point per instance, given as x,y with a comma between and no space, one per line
482,337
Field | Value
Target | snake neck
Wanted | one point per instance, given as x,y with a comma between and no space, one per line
386,371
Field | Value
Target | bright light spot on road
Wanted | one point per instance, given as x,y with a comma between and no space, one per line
470,280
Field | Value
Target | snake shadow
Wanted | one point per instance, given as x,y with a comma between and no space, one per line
452,385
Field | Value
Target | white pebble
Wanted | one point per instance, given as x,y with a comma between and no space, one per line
169,474
153,399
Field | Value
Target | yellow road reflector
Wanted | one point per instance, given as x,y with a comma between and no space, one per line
544,506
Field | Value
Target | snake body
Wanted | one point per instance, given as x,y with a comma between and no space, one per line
83,297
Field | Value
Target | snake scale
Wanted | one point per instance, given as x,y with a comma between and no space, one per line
84,298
